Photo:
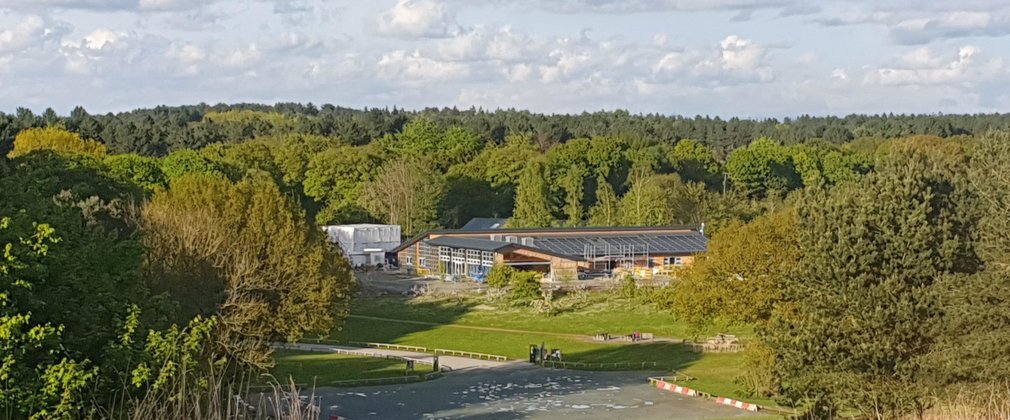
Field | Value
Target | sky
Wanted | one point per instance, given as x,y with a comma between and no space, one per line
745,58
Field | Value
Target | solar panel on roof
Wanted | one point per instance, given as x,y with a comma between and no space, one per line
638,243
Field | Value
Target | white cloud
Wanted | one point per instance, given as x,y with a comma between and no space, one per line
957,24
480,43
102,38
641,6
740,54
31,32
400,65
736,60
187,57
241,57
922,67
410,19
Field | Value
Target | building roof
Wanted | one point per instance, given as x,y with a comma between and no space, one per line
578,243
581,229
660,244
470,243
359,226
484,223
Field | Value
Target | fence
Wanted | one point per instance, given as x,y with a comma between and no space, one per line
335,350
388,346
712,348
416,349
677,376
601,366
471,355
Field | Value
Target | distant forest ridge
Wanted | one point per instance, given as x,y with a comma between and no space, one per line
157,131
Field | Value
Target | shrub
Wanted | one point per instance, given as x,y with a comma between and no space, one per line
500,276
629,287
525,288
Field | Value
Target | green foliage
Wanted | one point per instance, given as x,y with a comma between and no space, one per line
648,203
422,138
694,162
762,168
862,305
819,165
187,161
336,177
629,287
406,192
142,171
740,278
533,202
573,183
294,152
607,210
525,288
500,276
246,253
37,378
973,345
466,198
55,139
94,272
758,376
503,165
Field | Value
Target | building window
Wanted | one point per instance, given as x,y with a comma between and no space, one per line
486,259
458,255
444,253
409,260
473,257
677,261
423,262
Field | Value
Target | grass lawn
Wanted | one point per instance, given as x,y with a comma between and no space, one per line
604,313
569,331
324,368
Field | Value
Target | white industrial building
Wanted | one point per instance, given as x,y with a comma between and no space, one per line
365,244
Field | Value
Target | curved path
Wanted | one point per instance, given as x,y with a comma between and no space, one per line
520,391
485,389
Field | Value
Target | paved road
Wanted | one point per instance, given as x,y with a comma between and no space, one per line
519,390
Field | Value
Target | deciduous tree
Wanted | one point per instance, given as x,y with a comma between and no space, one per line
243,251
406,192
55,139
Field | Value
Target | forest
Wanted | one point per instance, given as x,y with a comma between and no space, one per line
151,257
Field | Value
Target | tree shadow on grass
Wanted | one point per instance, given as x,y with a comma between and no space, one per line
639,356
365,323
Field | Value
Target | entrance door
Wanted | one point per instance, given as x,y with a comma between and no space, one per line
458,269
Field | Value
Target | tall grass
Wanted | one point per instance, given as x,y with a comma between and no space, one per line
220,401
989,401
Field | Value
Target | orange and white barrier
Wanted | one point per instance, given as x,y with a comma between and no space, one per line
676,388
738,404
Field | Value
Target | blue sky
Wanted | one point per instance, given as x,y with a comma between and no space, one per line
747,58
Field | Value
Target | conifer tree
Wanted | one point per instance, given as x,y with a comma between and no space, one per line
862,307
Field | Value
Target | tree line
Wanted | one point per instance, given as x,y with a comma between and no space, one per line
160,130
